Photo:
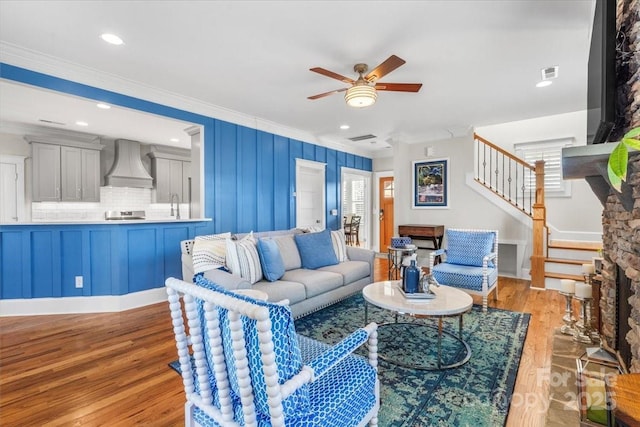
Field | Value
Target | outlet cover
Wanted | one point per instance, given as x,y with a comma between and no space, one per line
79,283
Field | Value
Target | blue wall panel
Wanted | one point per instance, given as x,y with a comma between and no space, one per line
11,256
141,245
171,251
225,188
264,172
71,247
333,193
282,186
247,173
103,267
45,281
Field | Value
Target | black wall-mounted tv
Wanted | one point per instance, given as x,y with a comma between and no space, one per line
601,80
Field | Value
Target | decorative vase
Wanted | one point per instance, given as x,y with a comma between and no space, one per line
411,278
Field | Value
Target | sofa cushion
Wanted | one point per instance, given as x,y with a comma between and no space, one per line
289,252
243,259
280,290
316,249
469,247
315,282
339,245
270,259
463,276
209,252
351,271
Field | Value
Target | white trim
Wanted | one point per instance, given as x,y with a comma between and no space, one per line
72,305
18,161
368,219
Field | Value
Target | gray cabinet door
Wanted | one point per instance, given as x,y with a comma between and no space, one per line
71,174
90,176
46,172
169,179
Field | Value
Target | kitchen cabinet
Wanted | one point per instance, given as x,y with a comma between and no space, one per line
67,173
170,172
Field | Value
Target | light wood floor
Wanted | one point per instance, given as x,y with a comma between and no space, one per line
111,369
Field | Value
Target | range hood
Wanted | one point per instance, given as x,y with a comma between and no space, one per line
127,169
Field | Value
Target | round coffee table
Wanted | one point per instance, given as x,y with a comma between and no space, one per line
449,302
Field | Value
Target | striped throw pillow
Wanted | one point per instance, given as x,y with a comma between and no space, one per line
339,245
243,259
209,252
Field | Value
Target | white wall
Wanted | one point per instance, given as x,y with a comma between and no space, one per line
580,213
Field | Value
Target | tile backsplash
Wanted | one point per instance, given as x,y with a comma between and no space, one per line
111,199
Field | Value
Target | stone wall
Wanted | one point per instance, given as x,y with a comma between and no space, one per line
621,228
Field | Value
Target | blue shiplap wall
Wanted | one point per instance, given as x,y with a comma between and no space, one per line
249,181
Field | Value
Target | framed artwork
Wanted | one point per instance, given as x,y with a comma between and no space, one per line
430,184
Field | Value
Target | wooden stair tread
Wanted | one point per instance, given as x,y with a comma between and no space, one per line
575,245
567,261
576,277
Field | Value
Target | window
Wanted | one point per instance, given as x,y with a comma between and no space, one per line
551,152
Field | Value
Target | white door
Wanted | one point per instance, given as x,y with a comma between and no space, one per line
356,200
11,188
310,194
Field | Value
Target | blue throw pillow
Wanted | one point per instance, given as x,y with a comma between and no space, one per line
316,249
469,247
271,260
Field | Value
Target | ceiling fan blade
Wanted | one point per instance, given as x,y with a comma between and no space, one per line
322,95
332,75
399,87
385,68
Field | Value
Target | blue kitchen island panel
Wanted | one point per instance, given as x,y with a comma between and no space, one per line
43,260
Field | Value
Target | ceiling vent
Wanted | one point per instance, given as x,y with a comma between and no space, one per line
362,137
550,73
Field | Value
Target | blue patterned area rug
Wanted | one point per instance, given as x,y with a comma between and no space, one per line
475,394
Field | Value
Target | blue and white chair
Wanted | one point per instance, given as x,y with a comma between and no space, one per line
242,364
470,262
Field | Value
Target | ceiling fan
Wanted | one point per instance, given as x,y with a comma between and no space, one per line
363,91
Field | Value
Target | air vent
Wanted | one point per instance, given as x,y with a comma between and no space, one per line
51,122
362,137
549,73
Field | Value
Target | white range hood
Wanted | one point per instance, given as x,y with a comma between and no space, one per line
127,169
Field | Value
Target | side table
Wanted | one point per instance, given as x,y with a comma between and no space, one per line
395,260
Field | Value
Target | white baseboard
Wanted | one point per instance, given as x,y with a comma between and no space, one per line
75,305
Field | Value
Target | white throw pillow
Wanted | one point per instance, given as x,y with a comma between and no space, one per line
339,245
209,252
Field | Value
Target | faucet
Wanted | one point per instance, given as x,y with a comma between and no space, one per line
177,205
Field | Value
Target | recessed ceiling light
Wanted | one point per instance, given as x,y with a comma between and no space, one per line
174,140
112,38
344,127
81,123
103,106
544,83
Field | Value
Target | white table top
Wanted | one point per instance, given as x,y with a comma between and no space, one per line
448,301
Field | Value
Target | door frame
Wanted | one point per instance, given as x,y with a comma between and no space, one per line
366,231
320,167
376,207
18,161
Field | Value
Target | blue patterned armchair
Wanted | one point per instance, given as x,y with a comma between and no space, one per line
242,364
470,262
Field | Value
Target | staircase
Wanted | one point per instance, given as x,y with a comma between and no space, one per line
522,186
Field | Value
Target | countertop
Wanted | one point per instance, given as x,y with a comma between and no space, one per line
105,222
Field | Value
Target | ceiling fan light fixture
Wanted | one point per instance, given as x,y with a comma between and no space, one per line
361,96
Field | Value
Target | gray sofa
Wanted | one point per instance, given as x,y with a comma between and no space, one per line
306,290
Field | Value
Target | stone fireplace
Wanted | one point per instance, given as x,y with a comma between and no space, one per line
620,289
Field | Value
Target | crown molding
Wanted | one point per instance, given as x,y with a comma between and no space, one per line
53,66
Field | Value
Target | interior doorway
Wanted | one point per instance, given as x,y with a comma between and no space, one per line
310,194
386,196
356,200
11,188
